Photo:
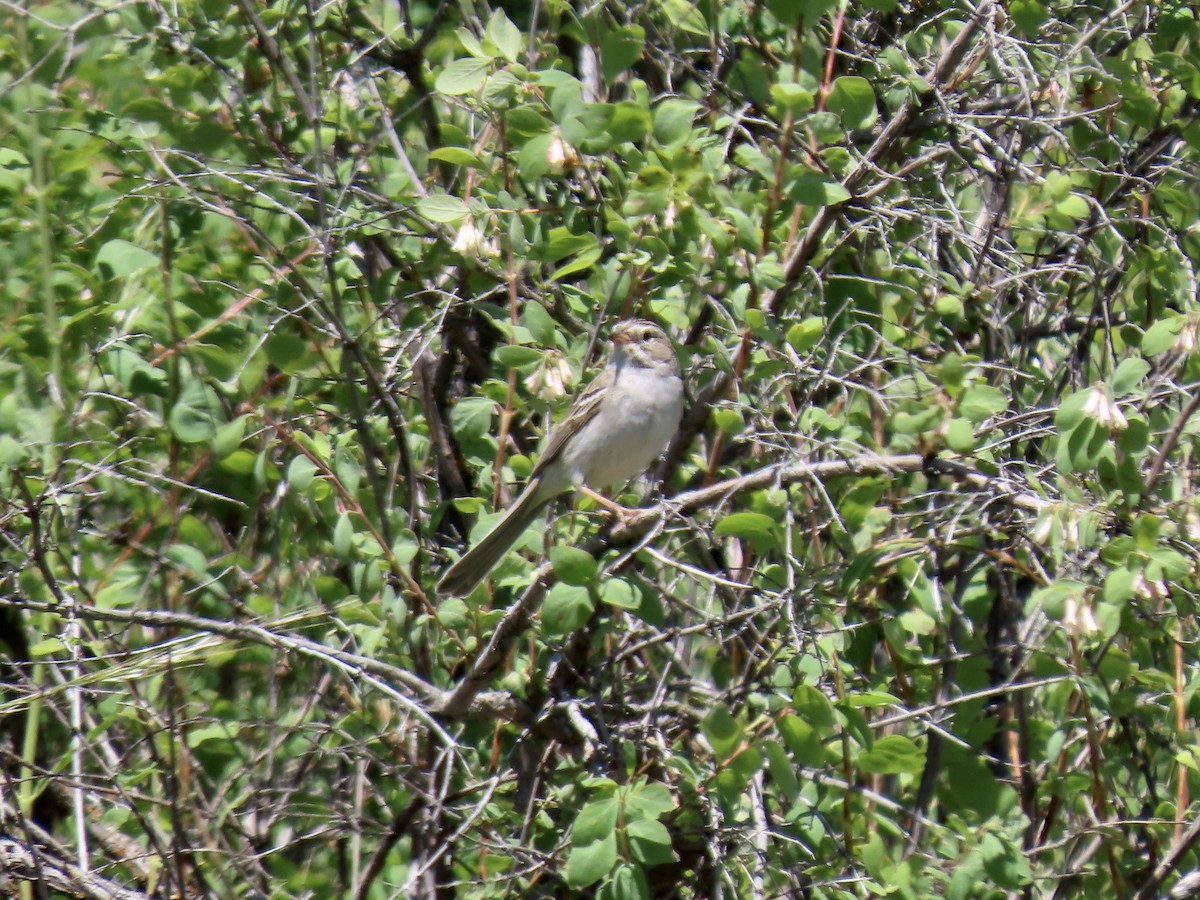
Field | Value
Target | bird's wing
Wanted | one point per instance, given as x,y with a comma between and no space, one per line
582,411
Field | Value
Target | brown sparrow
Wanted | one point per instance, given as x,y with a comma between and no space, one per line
612,432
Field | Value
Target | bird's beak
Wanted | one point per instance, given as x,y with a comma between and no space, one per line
621,338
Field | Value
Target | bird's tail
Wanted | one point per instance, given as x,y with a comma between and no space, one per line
460,579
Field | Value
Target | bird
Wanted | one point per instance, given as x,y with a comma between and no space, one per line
613,430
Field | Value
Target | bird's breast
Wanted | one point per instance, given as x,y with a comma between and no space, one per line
637,418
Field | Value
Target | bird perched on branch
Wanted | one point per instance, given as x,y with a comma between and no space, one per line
612,432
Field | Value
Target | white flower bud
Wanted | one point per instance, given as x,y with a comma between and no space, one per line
560,155
1186,341
1191,525
1099,407
551,378
1078,618
1043,530
1068,517
1149,590
470,241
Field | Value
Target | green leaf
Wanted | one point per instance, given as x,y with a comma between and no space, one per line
860,500
782,772
462,76
648,800
561,243
588,864
814,707
190,558
853,99
802,740
458,156
469,505
814,189
442,208
501,89
12,452
630,122
620,593
792,96
1070,411
300,473
150,111
119,259
620,48
1004,863
1173,564
919,422
1074,206
138,376
505,35
628,882
572,565
197,414
1118,585
1085,444
1136,437
729,421
758,528
47,647
581,263
541,324
514,356
343,536
525,122
722,731
893,754
980,402
1029,15
650,842
960,436
1162,335
454,614
953,371
789,12
806,334
471,417
673,120
870,700
595,821
566,608
229,437
471,44
1129,373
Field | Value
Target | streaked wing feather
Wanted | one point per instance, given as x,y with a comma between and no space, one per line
582,411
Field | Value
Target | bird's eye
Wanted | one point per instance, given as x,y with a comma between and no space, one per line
647,334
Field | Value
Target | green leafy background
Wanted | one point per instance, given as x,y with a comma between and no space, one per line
291,292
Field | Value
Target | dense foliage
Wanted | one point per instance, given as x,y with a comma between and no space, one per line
292,291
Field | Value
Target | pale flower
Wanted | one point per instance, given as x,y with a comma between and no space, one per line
1099,407
1068,518
560,155
1078,618
1070,533
1042,530
551,377
470,241
1186,341
1149,589
1191,525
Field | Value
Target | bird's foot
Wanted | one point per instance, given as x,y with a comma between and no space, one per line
622,514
